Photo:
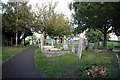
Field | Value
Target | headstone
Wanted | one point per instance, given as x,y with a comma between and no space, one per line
30,42
83,44
65,46
90,47
80,47
52,43
73,45
116,61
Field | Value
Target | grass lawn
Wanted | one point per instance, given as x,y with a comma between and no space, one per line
110,44
8,52
57,67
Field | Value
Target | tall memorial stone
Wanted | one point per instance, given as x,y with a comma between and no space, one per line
80,47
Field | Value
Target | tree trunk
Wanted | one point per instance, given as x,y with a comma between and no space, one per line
24,42
105,40
118,40
11,41
16,39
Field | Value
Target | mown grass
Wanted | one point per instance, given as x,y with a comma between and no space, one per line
56,67
8,52
109,44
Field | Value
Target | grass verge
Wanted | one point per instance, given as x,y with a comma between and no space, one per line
8,52
57,67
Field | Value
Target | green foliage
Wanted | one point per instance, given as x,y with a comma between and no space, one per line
16,20
56,67
96,15
16,16
92,34
51,22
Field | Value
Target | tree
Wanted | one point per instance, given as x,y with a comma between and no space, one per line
95,15
50,22
93,35
17,19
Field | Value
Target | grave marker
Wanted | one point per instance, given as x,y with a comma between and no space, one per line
80,47
65,46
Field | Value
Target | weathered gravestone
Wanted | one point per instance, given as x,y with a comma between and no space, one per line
52,43
116,61
73,46
83,44
65,46
71,40
90,47
80,47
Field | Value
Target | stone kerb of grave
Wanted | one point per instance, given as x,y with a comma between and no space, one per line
48,47
50,51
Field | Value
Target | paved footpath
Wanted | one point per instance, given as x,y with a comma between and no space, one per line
22,66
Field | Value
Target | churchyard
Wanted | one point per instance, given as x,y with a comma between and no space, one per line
71,59
79,46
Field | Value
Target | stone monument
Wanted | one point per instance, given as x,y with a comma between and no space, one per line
65,46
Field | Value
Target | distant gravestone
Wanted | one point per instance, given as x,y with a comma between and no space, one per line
52,43
83,44
90,47
72,43
65,46
80,47
73,46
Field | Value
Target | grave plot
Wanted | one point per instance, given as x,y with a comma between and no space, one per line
50,51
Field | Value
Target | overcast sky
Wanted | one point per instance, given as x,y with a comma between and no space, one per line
61,7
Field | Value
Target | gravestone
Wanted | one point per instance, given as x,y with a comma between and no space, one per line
52,43
65,46
116,61
90,47
72,43
73,46
83,44
80,47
